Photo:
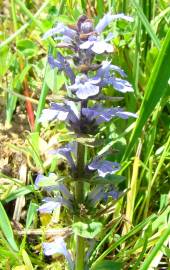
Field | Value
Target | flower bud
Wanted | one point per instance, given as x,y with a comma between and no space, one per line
87,26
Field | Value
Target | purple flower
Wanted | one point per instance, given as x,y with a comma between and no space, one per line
62,112
49,183
104,167
120,85
106,67
57,111
97,45
49,207
96,195
60,28
101,114
53,203
108,18
58,246
66,152
62,64
100,193
85,87
39,178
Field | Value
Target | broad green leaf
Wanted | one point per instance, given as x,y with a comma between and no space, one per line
156,89
108,265
27,47
6,228
87,230
54,80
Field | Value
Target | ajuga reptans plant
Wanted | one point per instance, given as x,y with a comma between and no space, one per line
83,112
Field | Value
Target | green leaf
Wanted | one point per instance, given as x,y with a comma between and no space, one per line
54,80
18,80
6,58
19,192
31,213
123,238
109,179
156,89
27,260
87,230
50,180
146,24
33,140
108,265
27,47
154,251
6,228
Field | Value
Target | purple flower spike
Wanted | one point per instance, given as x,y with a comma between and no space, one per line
58,246
85,87
104,167
108,18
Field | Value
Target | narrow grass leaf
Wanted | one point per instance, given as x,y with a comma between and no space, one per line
34,19
44,93
108,265
19,192
31,214
122,239
27,260
156,89
146,24
150,257
6,228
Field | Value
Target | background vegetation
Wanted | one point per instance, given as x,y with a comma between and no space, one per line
138,232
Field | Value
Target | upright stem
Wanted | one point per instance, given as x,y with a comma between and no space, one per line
79,195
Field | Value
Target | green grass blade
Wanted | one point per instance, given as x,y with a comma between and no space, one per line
24,27
44,93
31,214
19,192
146,24
35,20
6,228
155,250
155,90
122,239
